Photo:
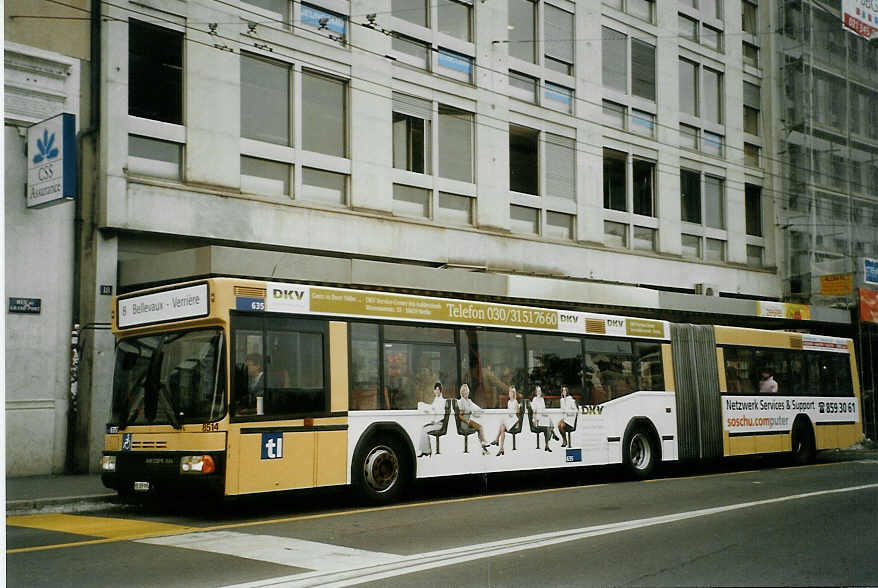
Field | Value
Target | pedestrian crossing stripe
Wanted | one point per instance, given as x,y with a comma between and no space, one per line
104,527
287,551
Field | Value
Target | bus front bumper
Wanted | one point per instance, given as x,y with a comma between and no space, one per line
134,472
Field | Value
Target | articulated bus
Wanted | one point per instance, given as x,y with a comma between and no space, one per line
243,386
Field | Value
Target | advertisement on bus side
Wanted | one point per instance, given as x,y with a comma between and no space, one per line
775,414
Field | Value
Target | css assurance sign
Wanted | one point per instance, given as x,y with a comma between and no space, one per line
51,161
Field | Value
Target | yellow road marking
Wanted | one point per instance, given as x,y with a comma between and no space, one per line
179,530
105,527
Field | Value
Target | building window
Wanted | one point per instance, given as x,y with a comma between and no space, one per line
644,187
155,72
455,19
554,34
323,21
753,209
524,160
616,235
688,137
411,134
712,144
558,97
691,246
643,238
751,154
750,54
614,114
752,102
266,88
559,225
324,114
522,30
560,158
755,255
642,9
411,201
324,186
559,39
413,11
714,202
454,209
690,196
277,6
455,144
154,157
688,79
615,50
749,14
523,87
411,51
261,176
687,27
523,219
714,250
712,99
614,180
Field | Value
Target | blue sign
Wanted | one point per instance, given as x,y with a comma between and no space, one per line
249,304
870,271
126,442
51,161
573,455
272,445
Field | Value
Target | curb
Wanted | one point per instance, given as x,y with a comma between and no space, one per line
63,504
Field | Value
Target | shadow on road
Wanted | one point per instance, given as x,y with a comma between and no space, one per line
323,501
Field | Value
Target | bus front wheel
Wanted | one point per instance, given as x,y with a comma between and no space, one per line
380,471
639,453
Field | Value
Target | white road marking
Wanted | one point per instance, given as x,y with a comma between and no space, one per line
287,551
447,557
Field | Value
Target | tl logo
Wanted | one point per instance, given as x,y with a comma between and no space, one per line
45,145
272,445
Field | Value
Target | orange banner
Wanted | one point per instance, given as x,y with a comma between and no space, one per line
868,305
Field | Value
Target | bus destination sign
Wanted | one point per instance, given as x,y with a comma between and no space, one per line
164,306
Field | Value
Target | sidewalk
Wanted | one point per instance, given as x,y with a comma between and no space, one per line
56,493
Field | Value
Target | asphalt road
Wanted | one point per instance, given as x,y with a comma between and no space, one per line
750,523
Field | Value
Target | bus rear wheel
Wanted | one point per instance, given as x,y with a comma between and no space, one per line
639,453
804,450
380,471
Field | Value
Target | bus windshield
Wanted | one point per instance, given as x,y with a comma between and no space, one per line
169,379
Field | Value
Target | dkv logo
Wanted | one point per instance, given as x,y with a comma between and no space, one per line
46,148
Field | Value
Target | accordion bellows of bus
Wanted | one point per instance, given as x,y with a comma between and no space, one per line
235,386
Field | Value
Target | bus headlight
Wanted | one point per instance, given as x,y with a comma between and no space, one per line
108,463
197,464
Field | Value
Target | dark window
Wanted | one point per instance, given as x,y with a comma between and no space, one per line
614,180
753,209
554,361
365,362
806,373
524,160
415,358
490,362
644,187
279,367
690,196
155,73
615,368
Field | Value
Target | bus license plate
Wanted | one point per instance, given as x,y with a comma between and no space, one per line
141,486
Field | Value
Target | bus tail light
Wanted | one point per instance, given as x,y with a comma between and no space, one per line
197,464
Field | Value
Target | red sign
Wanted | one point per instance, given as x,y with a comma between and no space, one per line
868,305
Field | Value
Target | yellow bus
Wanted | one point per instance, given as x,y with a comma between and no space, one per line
244,386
